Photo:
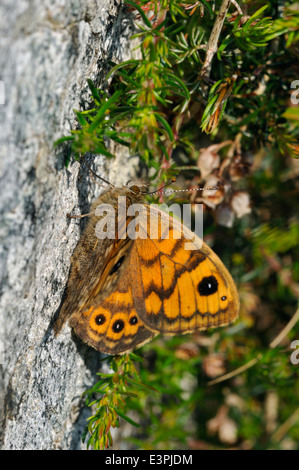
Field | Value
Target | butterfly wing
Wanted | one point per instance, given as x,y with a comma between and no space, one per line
123,292
112,326
179,290
91,258
101,308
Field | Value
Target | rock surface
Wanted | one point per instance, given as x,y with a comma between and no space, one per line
49,49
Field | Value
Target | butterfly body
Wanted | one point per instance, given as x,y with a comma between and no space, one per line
122,291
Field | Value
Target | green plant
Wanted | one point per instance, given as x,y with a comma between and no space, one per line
113,389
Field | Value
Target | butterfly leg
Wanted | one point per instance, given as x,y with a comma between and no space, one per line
79,216
91,171
93,178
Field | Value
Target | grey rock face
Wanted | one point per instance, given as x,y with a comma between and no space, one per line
48,50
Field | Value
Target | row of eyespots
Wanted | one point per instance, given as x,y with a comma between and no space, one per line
118,325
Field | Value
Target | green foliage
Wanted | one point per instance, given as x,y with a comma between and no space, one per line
113,389
95,125
149,101
274,240
255,32
289,25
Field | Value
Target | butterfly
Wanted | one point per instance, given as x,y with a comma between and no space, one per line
123,291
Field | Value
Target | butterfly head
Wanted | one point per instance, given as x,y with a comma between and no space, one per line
138,186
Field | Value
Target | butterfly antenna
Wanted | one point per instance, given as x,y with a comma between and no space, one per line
160,189
94,173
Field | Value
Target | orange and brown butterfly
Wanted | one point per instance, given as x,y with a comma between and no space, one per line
122,292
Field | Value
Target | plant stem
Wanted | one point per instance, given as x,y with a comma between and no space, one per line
213,40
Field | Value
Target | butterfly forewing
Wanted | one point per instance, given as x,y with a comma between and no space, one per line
178,290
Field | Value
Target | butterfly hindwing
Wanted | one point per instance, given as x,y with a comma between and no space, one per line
112,326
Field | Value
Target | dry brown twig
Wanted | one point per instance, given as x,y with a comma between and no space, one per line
279,434
214,37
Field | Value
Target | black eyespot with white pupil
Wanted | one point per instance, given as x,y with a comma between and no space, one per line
100,319
208,286
133,320
118,326
223,297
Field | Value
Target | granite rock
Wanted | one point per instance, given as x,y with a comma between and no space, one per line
48,51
